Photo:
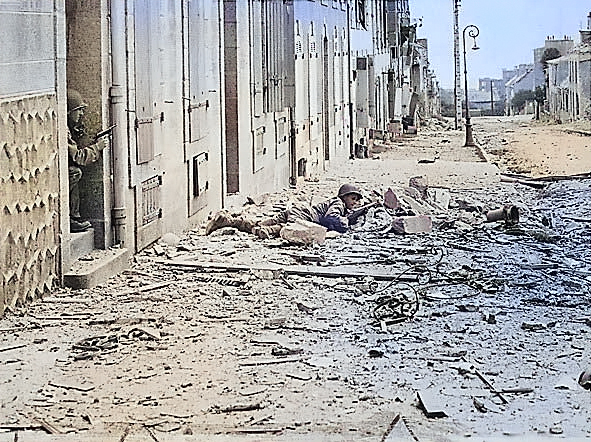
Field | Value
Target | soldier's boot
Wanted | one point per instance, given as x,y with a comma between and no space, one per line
266,232
219,220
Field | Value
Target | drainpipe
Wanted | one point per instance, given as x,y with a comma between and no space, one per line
118,95
349,83
293,179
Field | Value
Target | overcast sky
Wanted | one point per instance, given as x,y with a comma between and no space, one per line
509,31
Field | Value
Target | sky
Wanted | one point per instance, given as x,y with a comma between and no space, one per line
509,32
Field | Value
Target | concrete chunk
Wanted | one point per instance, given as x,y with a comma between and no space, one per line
431,403
303,233
391,200
412,224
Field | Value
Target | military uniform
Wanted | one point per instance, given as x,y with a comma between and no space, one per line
79,155
331,214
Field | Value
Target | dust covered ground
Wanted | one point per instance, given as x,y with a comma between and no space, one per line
228,337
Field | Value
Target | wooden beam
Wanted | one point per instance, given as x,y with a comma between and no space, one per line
301,270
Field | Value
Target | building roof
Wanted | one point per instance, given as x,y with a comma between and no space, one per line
519,77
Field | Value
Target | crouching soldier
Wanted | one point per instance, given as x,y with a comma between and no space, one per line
82,151
334,214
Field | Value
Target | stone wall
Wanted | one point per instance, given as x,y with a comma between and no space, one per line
29,199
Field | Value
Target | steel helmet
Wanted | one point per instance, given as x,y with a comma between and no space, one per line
75,100
347,189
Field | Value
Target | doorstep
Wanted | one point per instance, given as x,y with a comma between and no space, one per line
96,268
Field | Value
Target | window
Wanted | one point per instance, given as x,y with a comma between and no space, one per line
269,22
360,5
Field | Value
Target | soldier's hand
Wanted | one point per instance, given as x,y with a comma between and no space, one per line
102,144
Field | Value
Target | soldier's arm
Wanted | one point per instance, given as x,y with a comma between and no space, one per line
86,155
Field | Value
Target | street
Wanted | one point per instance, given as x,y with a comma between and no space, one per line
475,331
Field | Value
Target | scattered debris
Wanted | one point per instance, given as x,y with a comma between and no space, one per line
12,347
303,232
304,308
509,214
412,224
431,403
84,388
375,353
235,408
271,362
585,379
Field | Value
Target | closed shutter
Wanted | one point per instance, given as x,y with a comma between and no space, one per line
301,76
144,122
200,31
313,79
257,59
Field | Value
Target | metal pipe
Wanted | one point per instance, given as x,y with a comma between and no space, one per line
474,31
509,214
118,94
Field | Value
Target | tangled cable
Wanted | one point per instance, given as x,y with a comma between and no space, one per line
397,307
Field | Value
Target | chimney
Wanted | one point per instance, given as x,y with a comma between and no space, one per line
586,34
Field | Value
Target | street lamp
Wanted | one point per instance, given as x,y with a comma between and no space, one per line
473,32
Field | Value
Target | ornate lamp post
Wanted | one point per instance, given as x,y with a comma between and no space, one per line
473,32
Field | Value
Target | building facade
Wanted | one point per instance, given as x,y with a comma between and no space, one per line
569,81
207,102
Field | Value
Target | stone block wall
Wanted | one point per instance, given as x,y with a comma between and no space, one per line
29,199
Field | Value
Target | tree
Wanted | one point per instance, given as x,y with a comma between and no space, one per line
521,98
540,97
549,54
540,94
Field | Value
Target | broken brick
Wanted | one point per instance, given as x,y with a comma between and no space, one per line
412,224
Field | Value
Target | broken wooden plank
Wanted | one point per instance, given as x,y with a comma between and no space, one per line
12,347
259,430
64,318
490,386
66,300
48,426
72,387
299,377
237,407
517,390
224,319
271,361
578,219
145,288
527,182
301,270
151,332
252,392
21,427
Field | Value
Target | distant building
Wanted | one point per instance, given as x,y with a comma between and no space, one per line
569,81
497,86
528,77
552,49
483,103
522,80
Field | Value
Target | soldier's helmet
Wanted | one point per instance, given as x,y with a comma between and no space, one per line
347,189
75,101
